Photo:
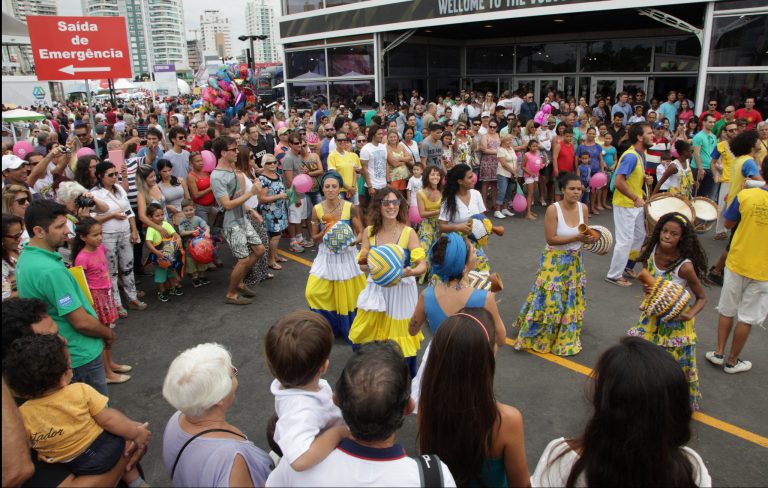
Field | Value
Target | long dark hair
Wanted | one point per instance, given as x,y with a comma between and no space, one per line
82,229
83,170
161,165
9,220
374,212
640,422
101,170
689,245
457,407
452,186
425,177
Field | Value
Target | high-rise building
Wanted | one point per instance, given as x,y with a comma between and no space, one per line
259,20
155,30
194,53
19,9
215,33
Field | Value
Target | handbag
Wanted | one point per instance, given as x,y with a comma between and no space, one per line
178,456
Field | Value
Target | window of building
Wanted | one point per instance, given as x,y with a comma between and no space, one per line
491,59
733,88
630,55
298,6
402,61
677,54
349,92
351,60
547,58
444,60
739,41
306,64
303,95
735,4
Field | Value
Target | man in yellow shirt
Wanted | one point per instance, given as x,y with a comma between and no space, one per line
628,204
745,286
722,175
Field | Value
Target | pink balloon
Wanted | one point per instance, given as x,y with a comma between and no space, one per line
302,183
85,151
474,178
22,148
281,124
598,180
209,161
519,203
414,215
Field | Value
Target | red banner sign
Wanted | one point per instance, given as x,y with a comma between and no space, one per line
79,48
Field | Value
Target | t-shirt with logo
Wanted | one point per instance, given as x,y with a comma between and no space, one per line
376,155
432,151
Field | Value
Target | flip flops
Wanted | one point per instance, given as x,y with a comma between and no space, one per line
622,282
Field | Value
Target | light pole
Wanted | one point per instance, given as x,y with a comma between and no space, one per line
251,38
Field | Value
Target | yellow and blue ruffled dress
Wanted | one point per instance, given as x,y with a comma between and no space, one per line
429,229
677,337
384,312
335,281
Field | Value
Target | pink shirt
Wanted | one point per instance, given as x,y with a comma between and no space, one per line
95,267
533,163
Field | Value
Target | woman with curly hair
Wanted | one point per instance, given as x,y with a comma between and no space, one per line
673,252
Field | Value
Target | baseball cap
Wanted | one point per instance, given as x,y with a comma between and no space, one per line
658,125
485,114
11,161
283,130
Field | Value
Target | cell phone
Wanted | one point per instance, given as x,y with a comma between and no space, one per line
128,213
143,142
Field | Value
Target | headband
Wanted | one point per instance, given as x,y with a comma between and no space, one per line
454,260
682,218
332,174
477,321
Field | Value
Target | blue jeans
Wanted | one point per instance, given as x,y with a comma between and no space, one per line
92,374
506,189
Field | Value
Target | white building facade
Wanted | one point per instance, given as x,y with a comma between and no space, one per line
260,20
215,33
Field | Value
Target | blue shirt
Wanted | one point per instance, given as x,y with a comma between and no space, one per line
627,165
668,111
626,110
159,153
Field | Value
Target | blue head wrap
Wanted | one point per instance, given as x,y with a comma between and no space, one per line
332,174
455,258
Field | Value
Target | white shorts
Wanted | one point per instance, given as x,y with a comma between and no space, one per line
530,180
743,298
297,214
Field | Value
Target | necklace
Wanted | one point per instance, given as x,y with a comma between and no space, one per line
331,212
395,234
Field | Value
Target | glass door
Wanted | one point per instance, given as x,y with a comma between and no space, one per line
633,85
547,86
524,84
603,87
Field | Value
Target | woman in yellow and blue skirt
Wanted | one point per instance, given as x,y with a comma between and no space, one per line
673,252
429,201
551,318
335,280
386,306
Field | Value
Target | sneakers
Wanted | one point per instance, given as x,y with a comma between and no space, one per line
163,297
499,215
296,247
196,283
306,243
508,212
714,358
739,367
204,281
177,291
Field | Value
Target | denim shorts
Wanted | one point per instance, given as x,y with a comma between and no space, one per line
99,457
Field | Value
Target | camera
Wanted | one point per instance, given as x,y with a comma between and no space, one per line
65,149
84,202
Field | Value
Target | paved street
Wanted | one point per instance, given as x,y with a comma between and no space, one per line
551,396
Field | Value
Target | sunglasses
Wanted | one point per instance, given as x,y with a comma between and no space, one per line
111,175
492,126
729,111
390,203
82,135
23,201
342,140
15,236
270,162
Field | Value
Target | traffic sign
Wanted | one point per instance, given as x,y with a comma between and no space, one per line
79,48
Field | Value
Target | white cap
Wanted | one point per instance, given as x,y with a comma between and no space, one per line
11,161
485,114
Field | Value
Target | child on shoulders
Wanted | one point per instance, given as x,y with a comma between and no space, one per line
309,425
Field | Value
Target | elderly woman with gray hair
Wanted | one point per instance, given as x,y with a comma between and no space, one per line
200,448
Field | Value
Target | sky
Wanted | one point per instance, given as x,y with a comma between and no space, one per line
232,9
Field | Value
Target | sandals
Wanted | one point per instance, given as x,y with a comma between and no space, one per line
275,266
631,273
720,237
622,282
122,368
238,301
122,312
270,276
121,378
281,259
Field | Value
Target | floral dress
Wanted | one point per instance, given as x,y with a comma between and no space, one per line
676,337
275,213
489,163
429,230
464,153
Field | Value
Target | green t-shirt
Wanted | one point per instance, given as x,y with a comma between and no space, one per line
369,117
41,274
707,143
155,237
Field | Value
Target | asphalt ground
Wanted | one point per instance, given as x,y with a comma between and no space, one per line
730,433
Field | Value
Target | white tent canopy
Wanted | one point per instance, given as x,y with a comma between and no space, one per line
124,84
20,115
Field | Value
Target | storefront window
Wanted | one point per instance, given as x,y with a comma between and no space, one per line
353,92
304,95
493,59
486,85
631,55
306,64
351,60
739,41
444,60
547,58
439,87
734,88
677,54
407,60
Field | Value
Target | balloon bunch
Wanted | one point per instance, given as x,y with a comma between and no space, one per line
543,114
230,89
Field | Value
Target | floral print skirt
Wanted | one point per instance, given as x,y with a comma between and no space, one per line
429,233
679,339
551,318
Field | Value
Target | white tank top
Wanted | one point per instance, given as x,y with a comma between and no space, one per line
563,230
